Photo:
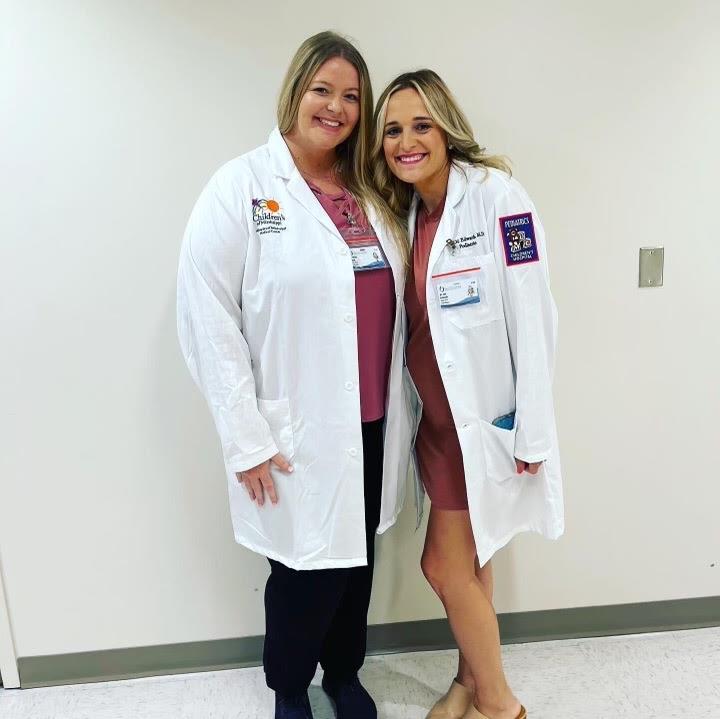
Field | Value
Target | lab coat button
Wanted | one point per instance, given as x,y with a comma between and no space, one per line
344,251
349,317
450,366
352,452
349,386
466,426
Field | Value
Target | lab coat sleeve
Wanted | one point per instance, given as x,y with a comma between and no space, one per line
531,321
209,315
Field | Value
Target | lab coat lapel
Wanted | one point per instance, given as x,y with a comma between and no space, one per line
412,218
448,227
283,165
302,193
390,249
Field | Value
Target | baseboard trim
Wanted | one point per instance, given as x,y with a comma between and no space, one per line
431,634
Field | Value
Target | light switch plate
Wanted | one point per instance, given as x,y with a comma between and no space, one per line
652,261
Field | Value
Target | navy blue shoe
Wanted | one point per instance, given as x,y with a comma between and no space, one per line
351,699
292,707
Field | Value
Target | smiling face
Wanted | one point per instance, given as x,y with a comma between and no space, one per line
330,108
415,147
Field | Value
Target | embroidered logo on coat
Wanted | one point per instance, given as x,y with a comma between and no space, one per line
267,216
518,235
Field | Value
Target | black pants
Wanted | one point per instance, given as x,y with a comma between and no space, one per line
320,615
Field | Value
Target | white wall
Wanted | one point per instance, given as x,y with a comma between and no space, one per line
114,527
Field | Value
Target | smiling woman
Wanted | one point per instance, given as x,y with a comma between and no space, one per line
289,323
421,105
325,109
327,116
480,353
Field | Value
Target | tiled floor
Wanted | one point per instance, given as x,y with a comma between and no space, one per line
673,675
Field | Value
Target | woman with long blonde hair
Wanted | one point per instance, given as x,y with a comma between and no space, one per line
288,322
480,355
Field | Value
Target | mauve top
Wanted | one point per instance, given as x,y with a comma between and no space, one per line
374,309
436,445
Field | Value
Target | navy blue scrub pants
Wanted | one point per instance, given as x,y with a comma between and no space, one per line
320,615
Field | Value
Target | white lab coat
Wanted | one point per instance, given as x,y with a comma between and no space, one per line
266,320
496,357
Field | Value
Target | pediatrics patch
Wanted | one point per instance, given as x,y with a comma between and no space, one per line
519,242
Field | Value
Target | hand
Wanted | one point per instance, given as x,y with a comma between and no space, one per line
257,480
531,467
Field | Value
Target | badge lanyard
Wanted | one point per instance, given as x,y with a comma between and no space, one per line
365,248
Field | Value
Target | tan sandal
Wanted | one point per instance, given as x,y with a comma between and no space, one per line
473,713
454,704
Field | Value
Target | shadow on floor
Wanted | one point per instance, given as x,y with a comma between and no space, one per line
397,695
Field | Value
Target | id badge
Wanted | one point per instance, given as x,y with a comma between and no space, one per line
365,250
458,288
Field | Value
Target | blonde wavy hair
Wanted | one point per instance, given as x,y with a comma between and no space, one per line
445,111
353,167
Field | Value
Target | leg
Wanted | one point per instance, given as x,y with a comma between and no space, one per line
449,564
343,651
299,606
485,576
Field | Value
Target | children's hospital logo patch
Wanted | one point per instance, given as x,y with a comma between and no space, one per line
267,216
518,235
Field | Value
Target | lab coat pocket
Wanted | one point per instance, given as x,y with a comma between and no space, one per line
499,450
277,414
468,290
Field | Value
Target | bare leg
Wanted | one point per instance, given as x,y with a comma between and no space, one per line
485,576
449,564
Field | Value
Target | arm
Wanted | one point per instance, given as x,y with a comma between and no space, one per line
531,318
209,313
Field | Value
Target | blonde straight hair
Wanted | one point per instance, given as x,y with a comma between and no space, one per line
353,165
445,111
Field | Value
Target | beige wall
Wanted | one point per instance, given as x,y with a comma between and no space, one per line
114,526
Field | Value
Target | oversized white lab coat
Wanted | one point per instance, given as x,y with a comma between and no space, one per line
496,356
266,320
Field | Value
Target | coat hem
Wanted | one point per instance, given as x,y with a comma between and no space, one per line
303,566
385,526
552,534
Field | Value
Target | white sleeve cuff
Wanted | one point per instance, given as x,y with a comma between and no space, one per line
241,463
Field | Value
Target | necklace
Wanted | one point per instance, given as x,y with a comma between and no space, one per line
347,210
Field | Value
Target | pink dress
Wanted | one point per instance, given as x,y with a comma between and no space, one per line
437,445
374,306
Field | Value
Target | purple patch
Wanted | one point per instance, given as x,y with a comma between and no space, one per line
518,235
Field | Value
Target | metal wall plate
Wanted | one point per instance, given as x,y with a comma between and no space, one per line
652,261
